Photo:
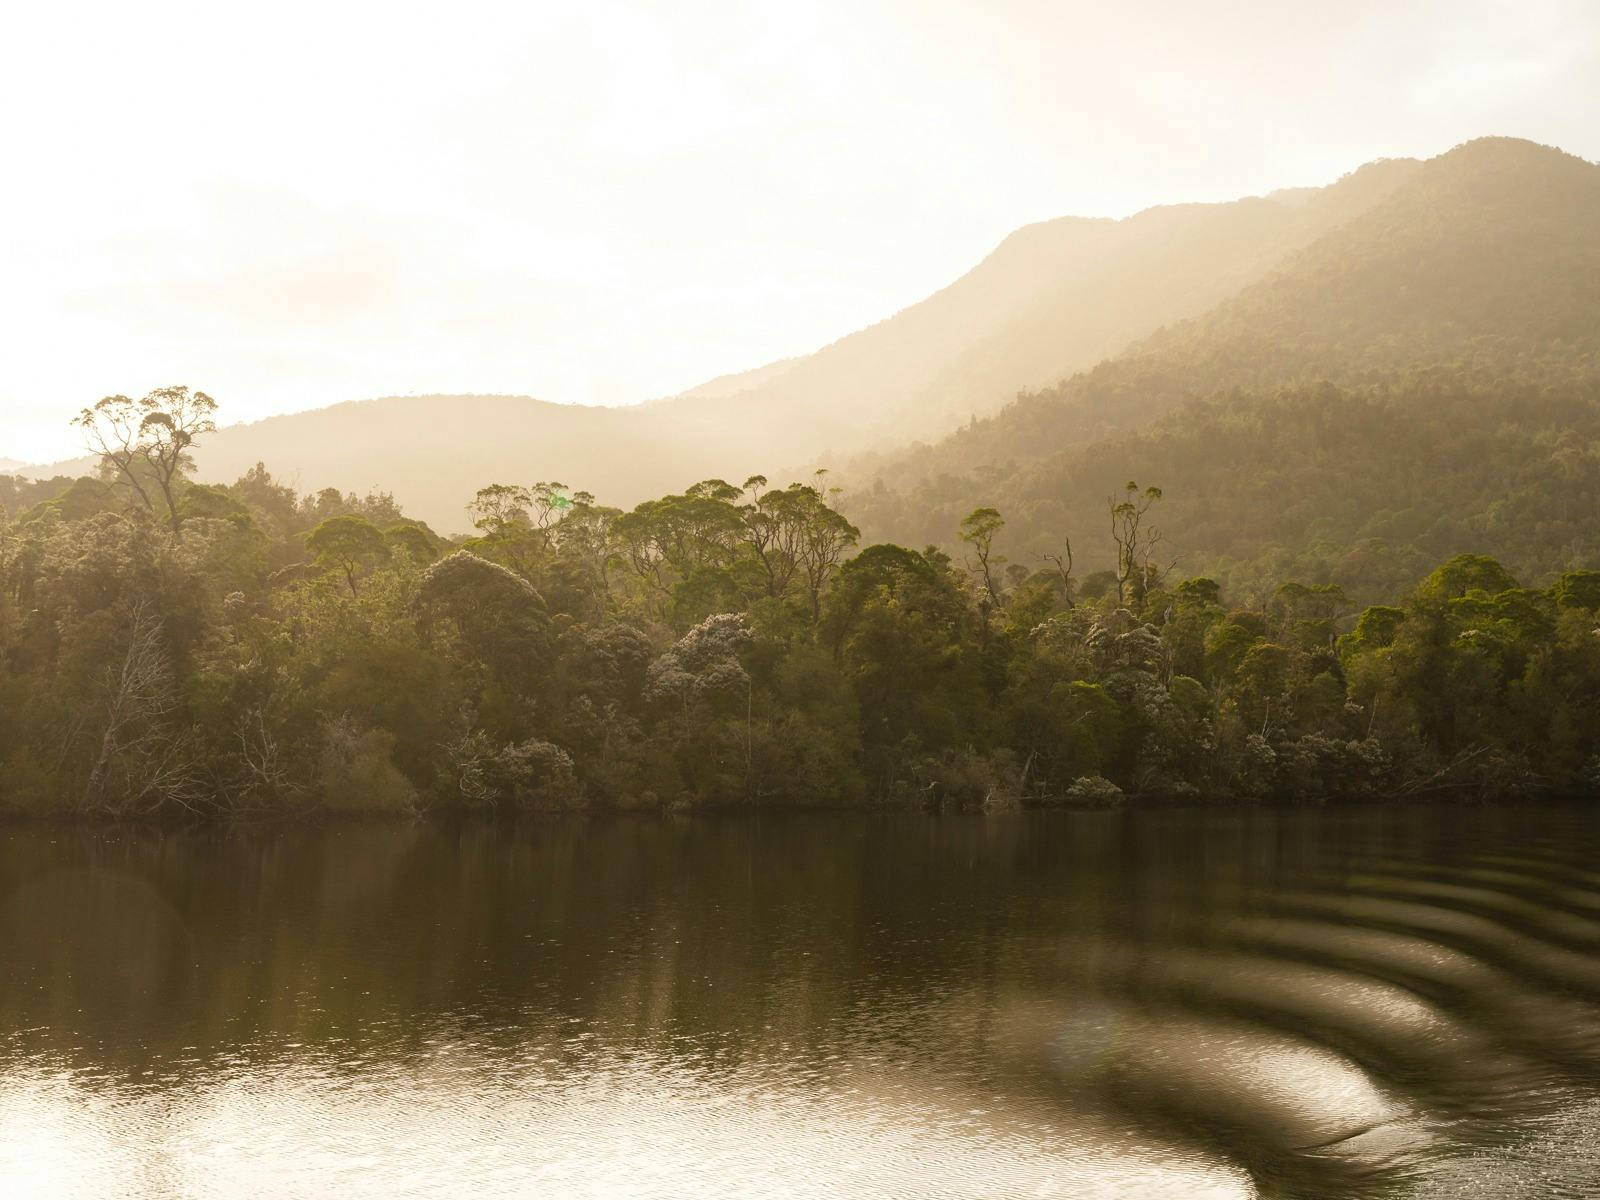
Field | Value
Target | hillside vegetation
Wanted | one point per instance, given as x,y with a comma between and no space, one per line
1419,382
173,648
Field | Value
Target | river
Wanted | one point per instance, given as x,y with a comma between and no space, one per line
1190,1004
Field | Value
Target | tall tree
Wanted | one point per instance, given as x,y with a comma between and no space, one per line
978,530
146,442
1136,541
349,544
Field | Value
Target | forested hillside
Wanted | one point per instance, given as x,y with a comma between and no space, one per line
173,648
1418,383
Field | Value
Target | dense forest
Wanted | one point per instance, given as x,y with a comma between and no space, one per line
1364,486
170,647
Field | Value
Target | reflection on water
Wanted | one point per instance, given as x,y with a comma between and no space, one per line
1183,1004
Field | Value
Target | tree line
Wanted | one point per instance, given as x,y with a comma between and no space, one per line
170,647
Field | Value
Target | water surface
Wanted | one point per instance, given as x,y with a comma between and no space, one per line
1177,1004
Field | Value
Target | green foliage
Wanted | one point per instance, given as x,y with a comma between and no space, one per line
357,774
1464,574
349,545
531,775
1418,386
1578,589
1420,383
144,444
270,653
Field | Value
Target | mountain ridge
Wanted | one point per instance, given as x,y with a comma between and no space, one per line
1112,300
1470,289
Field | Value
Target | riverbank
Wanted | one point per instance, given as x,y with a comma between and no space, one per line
222,814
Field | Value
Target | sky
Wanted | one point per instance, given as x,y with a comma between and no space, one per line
604,202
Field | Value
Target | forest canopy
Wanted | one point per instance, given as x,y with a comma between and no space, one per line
169,647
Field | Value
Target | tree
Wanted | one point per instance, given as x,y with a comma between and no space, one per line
1200,592
1063,565
896,622
1466,573
827,536
412,542
669,542
1136,541
141,761
978,530
500,617
797,538
552,502
146,442
700,680
349,544
1578,589
275,504
701,665
499,507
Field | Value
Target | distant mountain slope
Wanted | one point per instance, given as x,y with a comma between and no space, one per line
1472,288
1052,298
1494,246
735,384
434,452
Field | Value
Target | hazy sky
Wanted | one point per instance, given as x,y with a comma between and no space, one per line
293,204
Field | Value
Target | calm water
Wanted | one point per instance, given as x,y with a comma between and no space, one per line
1188,1004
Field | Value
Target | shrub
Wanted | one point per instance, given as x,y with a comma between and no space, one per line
532,774
1093,791
357,774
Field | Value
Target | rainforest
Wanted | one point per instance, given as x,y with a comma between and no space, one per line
172,648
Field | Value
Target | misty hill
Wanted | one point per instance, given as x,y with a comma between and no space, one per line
1417,374
1052,298
434,452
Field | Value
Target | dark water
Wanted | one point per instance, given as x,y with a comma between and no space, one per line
1182,1004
